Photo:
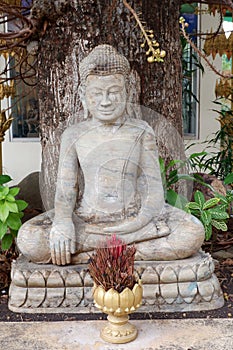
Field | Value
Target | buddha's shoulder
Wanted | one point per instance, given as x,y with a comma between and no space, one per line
76,129
140,125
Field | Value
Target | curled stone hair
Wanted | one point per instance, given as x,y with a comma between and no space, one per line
103,60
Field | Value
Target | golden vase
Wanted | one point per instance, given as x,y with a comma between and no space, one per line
118,305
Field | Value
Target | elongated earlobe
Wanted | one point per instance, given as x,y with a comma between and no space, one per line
82,93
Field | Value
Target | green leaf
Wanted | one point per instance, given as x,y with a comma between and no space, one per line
193,205
3,192
199,198
205,218
228,179
13,221
208,232
210,203
173,173
7,242
2,196
4,212
194,155
186,177
12,207
172,180
222,207
220,225
14,191
229,196
14,233
21,214
4,179
218,214
10,198
171,197
174,162
176,200
3,229
21,204
222,198
162,165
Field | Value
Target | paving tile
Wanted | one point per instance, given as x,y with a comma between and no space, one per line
189,334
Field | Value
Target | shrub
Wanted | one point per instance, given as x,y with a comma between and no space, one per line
11,212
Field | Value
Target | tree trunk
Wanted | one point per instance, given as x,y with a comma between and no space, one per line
75,27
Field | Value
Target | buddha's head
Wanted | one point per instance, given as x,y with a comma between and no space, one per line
104,81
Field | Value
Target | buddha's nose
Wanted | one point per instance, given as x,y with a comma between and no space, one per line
105,101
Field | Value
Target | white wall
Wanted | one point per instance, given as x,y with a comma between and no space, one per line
208,123
20,158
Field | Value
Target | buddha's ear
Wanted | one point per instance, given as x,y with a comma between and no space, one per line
81,92
82,95
133,108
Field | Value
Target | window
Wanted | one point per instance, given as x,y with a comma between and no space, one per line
23,102
190,67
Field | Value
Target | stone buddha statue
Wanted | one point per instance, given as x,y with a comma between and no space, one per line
116,156
109,183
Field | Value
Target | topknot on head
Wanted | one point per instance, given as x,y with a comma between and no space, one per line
103,60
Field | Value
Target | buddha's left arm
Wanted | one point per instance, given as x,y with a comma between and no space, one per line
149,187
150,183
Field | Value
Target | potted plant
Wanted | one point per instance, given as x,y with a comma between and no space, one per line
116,290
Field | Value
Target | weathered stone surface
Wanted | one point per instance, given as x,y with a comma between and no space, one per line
69,288
188,290
36,280
187,274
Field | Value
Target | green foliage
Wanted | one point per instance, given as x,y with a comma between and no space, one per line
222,160
198,162
219,162
211,212
170,177
228,179
11,212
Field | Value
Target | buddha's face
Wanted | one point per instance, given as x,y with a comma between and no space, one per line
106,97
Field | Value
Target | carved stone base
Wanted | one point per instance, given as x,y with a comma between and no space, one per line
168,286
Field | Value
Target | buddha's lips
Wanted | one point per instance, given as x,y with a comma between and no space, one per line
106,111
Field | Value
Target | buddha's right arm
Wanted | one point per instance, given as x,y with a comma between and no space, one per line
66,188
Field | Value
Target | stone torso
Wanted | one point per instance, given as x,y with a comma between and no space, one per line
109,156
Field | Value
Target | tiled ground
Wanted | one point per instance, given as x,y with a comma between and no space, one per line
189,334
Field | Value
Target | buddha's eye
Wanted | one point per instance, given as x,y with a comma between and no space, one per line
96,93
114,91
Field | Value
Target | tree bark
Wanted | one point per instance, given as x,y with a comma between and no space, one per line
75,27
